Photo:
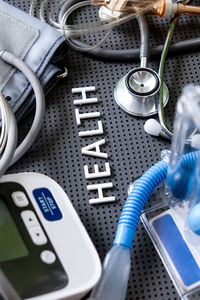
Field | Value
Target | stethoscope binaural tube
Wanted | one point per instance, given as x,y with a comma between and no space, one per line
152,126
160,129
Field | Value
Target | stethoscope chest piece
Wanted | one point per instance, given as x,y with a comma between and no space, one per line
137,92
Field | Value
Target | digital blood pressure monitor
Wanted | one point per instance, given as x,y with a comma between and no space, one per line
45,251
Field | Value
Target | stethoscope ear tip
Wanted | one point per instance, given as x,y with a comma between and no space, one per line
152,127
195,141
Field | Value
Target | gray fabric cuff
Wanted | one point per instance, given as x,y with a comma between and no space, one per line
33,41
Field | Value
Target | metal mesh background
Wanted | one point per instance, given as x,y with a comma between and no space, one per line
57,150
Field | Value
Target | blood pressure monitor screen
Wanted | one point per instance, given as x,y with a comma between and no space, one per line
12,244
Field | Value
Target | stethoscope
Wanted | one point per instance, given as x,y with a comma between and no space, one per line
138,91
142,91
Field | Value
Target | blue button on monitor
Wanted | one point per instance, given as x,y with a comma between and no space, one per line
47,204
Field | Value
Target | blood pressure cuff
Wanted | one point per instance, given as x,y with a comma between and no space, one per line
37,44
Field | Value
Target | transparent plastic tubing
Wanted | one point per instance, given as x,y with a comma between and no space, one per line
139,195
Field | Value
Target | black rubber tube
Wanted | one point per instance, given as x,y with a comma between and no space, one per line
133,54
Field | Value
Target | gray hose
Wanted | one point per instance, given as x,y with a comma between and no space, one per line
133,54
40,103
11,142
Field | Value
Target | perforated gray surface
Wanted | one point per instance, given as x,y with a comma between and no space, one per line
57,151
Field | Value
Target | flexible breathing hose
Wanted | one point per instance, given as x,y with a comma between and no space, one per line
139,195
135,202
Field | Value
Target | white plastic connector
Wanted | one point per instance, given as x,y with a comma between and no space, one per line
170,9
105,14
195,141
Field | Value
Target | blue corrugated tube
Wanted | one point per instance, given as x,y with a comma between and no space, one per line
135,203
140,193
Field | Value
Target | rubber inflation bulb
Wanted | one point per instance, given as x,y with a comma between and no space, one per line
194,219
195,141
152,127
